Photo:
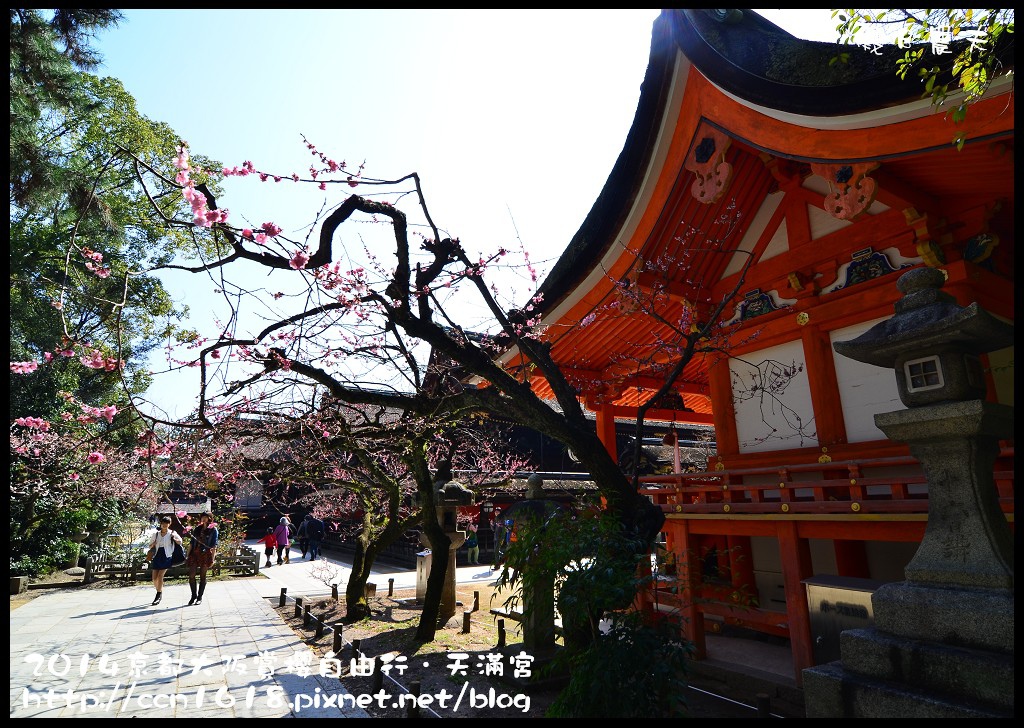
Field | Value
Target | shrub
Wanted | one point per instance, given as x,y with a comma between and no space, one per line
631,671
32,566
617,666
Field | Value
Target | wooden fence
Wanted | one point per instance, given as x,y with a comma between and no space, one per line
246,563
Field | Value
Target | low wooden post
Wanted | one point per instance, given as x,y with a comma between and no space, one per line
334,592
355,648
298,606
319,629
764,705
377,682
501,633
283,597
476,601
306,616
413,709
338,639
391,587
466,621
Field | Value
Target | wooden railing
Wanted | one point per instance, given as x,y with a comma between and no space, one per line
867,486
246,563
849,486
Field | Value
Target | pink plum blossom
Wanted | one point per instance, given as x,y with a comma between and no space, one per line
95,458
299,260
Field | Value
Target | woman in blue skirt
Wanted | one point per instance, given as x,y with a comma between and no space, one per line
162,548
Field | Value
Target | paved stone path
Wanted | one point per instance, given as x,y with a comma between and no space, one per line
101,653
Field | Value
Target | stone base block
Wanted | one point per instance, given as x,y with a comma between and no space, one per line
19,584
831,692
974,618
976,675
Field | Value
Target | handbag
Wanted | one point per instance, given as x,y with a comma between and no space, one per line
178,557
151,553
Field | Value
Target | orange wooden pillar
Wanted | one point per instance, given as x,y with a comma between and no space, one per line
606,430
851,559
720,385
688,581
741,567
795,553
823,385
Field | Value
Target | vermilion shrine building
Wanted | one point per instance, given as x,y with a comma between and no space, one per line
831,180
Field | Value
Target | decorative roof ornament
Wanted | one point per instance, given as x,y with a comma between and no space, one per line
852,190
707,161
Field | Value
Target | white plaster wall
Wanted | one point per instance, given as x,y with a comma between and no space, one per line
887,560
1001,364
767,565
779,420
864,390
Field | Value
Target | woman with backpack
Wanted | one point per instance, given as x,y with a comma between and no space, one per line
282,534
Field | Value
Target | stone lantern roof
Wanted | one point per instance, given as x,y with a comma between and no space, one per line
926,320
932,342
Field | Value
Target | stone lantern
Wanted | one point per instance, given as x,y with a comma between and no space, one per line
942,641
538,599
447,499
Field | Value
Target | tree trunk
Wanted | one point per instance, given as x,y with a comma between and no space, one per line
356,606
439,545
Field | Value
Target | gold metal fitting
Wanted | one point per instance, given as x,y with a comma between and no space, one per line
855,507
726,508
785,507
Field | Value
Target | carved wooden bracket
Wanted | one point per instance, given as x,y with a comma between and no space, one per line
707,160
788,173
853,191
927,248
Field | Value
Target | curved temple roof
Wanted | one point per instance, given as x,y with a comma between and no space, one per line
729,87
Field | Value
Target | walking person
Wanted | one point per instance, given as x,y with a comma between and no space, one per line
303,537
315,532
472,546
201,554
283,535
162,548
500,540
270,545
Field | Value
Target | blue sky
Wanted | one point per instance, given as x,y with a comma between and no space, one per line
513,119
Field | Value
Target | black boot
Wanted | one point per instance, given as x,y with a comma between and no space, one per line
159,596
199,599
193,600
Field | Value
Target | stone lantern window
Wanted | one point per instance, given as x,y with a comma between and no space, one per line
923,374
